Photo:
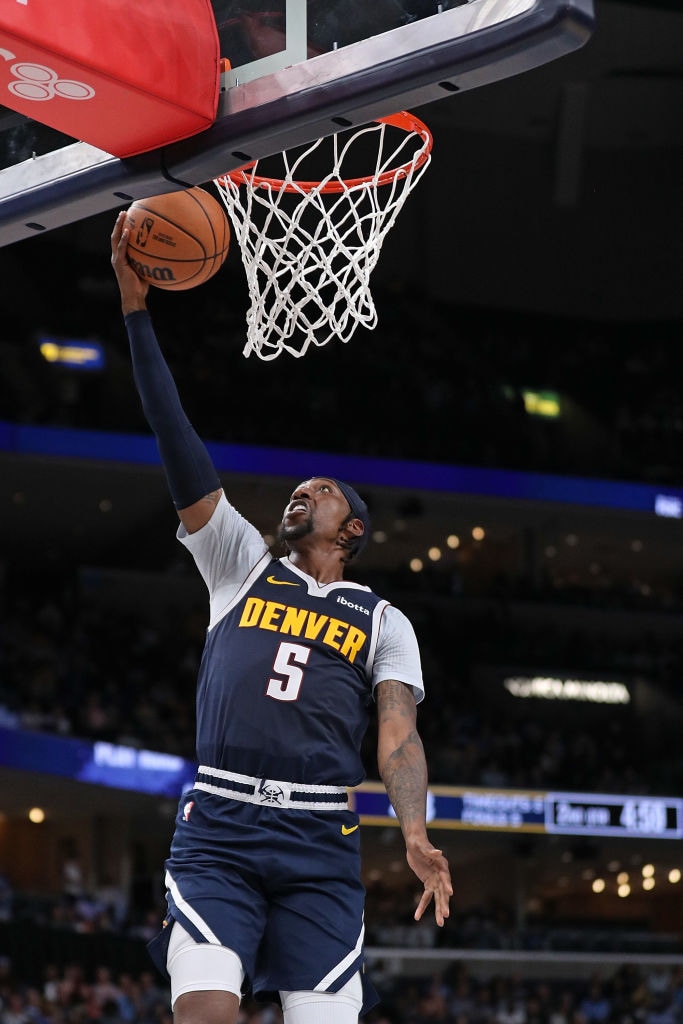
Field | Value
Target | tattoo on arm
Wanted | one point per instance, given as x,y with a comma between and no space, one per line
198,514
401,756
212,497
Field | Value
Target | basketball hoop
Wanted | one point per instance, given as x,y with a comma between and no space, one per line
309,246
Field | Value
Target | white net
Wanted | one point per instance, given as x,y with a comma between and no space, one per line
310,246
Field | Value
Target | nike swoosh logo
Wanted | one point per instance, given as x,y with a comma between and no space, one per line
347,831
281,583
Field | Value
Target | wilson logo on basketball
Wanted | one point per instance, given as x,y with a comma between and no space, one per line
151,273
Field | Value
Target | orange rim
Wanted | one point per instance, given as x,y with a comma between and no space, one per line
408,122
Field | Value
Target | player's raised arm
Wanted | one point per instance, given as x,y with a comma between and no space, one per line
402,766
191,475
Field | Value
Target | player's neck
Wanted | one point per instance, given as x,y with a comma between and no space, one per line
323,566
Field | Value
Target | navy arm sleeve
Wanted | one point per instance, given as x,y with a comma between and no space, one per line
189,470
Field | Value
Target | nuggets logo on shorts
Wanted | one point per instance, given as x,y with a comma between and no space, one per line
271,794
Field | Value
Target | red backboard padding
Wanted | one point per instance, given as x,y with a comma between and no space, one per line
125,77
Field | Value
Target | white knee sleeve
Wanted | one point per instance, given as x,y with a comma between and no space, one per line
340,1007
200,966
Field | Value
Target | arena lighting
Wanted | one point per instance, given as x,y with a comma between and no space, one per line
542,403
669,505
438,477
99,763
76,355
553,688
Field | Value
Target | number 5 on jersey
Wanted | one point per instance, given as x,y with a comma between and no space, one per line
287,684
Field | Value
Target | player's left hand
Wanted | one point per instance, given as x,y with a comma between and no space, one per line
431,867
133,289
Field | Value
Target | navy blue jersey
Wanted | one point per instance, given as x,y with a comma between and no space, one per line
284,688
284,693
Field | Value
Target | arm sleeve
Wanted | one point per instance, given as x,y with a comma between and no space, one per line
189,470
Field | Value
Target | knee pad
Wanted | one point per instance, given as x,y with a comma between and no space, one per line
340,1007
201,967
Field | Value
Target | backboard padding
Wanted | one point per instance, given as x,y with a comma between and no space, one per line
436,56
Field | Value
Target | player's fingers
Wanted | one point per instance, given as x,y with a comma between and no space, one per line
443,870
442,909
119,249
425,900
118,231
446,879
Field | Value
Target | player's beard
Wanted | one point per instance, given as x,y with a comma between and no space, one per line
296,531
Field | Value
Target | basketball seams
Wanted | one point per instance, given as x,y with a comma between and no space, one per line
178,225
219,249
211,229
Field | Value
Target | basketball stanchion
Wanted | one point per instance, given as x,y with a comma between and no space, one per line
309,245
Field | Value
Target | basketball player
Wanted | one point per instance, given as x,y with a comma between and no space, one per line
263,878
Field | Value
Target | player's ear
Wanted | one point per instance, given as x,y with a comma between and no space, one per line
354,527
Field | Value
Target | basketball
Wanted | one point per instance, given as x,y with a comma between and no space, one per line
178,240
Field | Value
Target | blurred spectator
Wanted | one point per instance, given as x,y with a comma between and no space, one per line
6,898
595,1006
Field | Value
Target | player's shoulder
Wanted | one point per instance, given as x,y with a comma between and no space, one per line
397,617
227,515
224,534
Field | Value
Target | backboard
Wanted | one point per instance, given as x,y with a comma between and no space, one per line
299,70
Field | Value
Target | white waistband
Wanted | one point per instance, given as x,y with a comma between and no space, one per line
272,792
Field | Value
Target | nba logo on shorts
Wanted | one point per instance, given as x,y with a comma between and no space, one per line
187,810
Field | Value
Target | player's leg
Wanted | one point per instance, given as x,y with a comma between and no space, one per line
206,980
217,911
342,1007
206,1008
312,949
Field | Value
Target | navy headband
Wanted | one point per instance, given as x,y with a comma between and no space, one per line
359,510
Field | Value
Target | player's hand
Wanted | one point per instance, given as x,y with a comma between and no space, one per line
133,289
431,867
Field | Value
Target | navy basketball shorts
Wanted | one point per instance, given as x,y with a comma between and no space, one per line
279,886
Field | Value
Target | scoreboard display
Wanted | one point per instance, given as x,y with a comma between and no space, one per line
600,815
546,813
